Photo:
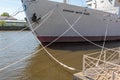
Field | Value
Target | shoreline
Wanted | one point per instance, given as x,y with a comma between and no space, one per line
13,28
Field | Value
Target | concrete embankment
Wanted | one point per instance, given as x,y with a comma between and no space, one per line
13,28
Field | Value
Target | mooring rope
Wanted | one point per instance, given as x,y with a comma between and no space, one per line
17,61
46,16
62,64
71,27
82,35
104,42
86,38
36,28
70,68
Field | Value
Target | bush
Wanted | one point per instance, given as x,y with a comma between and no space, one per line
2,23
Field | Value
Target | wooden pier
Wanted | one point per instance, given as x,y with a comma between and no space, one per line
100,66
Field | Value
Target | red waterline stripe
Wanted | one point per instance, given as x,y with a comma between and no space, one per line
75,39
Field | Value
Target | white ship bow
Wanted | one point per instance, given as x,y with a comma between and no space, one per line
51,20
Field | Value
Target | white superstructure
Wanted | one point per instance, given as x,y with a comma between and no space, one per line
64,22
112,6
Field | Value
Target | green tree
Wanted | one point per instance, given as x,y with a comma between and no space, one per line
5,14
2,23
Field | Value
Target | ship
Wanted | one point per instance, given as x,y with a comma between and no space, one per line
52,20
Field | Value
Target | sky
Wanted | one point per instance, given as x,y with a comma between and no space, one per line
12,6
76,2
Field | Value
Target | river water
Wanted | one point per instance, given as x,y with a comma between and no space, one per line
16,45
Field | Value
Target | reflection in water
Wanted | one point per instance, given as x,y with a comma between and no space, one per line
41,66
16,51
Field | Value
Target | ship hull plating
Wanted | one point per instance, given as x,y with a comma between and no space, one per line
58,24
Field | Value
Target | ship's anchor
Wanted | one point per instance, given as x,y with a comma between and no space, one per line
34,18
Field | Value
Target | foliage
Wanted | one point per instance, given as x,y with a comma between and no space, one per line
14,25
5,14
2,23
